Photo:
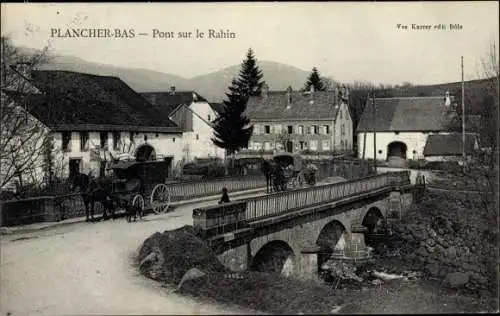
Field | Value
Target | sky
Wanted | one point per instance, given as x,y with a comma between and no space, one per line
346,40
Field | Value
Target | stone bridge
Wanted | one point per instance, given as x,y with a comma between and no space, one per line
294,232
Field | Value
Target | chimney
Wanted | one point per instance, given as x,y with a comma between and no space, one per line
447,99
265,90
289,97
172,89
344,93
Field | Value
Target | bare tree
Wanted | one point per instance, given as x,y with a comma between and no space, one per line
22,137
482,171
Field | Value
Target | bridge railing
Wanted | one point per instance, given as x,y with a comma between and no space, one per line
193,189
205,219
276,204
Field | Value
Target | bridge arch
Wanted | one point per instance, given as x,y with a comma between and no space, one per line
274,257
330,237
373,220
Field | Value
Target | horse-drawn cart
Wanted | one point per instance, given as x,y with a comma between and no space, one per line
141,184
291,164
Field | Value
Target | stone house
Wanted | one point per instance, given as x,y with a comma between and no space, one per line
92,119
306,122
194,115
402,126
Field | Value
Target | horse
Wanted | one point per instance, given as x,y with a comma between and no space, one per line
275,176
91,192
267,169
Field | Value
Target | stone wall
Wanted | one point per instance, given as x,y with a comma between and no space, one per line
444,237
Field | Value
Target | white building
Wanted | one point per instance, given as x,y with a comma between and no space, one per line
92,119
195,116
402,126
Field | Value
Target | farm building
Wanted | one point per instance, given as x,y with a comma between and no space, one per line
403,127
92,119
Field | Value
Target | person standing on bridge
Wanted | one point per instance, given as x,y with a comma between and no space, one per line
225,197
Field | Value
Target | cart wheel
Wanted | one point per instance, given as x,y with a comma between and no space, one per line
160,198
138,201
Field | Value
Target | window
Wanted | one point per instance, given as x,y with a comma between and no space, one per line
310,130
278,129
327,129
145,137
313,145
131,136
66,141
156,135
267,146
315,129
84,141
290,129
342,130
197,137
380,151
116,140
267,129
209,118
173,139
256,129
326,145
103,136
258,145
301,129
302,146
340,114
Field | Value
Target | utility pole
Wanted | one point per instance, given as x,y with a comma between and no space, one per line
374,136
464,157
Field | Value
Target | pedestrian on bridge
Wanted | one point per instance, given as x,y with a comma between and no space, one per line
225,197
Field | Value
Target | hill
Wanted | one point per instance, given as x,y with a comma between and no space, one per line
212,86
474,90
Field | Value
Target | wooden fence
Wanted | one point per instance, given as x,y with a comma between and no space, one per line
219,219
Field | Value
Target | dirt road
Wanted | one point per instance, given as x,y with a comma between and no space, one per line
86,269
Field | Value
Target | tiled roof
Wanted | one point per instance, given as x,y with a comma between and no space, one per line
405,114
169,101
318,106
219,108
448,144
72,100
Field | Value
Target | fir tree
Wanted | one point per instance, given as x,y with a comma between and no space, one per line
250,76
232,129
314,80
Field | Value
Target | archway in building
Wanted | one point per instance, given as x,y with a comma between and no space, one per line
373,221
274,257
145,152
396,150
330,238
